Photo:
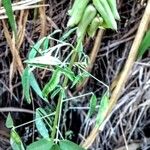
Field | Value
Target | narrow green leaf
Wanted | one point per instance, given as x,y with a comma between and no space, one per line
25,84
35,48
15,141
36,87
79,78
55,92
40,125
102,109
53,82
9,121
44,113
68,145
145,45
67,34
46,44
93,102
68,73
42,144
9,12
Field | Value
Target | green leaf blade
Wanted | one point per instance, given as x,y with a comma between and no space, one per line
40,125
9,12
42,144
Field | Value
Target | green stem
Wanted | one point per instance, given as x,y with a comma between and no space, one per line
58,108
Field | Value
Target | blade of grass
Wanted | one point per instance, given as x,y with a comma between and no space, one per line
8,7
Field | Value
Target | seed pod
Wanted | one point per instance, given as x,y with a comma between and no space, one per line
97,21
89,14
75,5
108,19
109,13
77,13
113,6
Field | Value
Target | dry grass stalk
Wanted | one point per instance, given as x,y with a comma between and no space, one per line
42,20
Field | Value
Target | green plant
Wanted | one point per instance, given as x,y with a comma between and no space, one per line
65,72
9,12
145,45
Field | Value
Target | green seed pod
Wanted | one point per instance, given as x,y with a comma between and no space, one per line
88,16
77,13
108,19
75,5
109,13
113,6
97,21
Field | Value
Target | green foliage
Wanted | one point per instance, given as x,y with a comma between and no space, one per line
43,56
26,83
42,144
35,86
93,102
9,12
145,45
40,125
53,82
102,109
15,141
55,147
9,121
28,80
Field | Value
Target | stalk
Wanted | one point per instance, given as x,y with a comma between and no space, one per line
58,108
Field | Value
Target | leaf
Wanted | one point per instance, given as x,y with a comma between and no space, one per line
35,48
15,141
68,145
8,7
44,60
44,113
53,82
42,144
102,109
40,125
79,78
144,45
25,84
9,121
36,87
46,44
93,102
55,92
67,34
55,147
68,73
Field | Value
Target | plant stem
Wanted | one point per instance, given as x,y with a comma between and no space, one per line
58,108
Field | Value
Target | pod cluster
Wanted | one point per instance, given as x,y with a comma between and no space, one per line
89,15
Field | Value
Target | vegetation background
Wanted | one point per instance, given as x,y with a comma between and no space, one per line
127,126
